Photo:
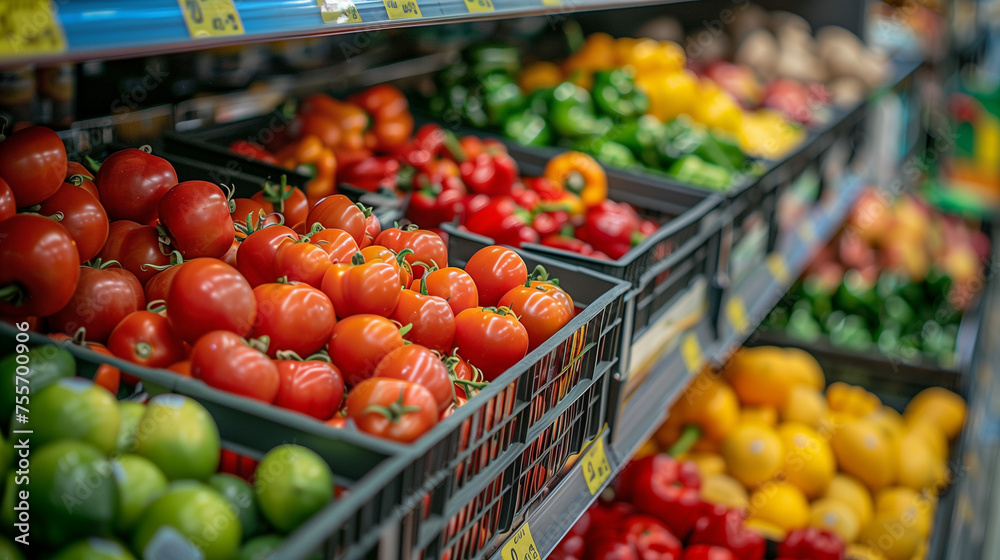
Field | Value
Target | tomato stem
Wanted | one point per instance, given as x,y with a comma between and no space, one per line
92,164
157,306
143,349
101,265
260,344
358,259
689,437
288,355
321,356
406,329
76,180
395,411
366,210
14,294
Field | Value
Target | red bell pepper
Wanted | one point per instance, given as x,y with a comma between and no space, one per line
524,197
573,545
656,487
428,144
567,243
550,223
812,543
371,174
502,220
433,204
721,526
612,227
254,151
652,539
492,174
706,552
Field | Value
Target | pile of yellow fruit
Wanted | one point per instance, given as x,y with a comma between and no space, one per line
659,69
773,442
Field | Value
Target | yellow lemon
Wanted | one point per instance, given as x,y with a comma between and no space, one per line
905,504
759,377
887,533
804,368
805,405
863,450
932,436
921,552
708,463
753,453
835,516
766,415
782,504
724,490
766,529
859,551
808,462
888,420
849,490
940,407
919,468
841,397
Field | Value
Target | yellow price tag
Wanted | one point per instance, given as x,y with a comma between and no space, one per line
807,233
779,270
596,468
402,9
479,6
30,27
737,313
211,18
520,546
338,11
691,352
552,2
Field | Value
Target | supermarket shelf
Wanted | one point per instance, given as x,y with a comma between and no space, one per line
570,496
96,29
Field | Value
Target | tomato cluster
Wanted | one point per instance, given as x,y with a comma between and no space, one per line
333,317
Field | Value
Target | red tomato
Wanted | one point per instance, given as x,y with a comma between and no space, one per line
221,360
359,343
80,176
196,217
491,339
468,380
8,206
453,285
245,208
392,409
132,182
134,245
33,163
158,286
229,257
431,320
145,338
103,297
256,255
427,247
359,287
286,200
294,317
337,211
311,387
543,308
418,364
209,295
82,216
300,261
398,261
182,367
496,270
107,375
39,266
372,229
335,242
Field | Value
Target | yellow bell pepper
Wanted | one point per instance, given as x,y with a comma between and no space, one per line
670,93
310,155
716,109
596,54
708,410
539,75
580,174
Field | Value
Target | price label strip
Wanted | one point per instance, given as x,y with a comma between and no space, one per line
779,270
479,6
338,11
402,9
596,468
29,28
520,546
691,353
736,311
211,18
552,3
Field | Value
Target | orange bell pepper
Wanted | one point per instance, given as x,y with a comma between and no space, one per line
392,123
310,156
580,174
352,120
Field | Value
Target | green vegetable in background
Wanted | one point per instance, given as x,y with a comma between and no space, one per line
571,112
693,170
616,96
611,154
502,97
528,127
642,136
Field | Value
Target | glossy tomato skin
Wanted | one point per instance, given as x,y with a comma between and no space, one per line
82,216
311,387
256,255
158,286
80,176
496,270
420,411
491,339
337,211
418,364
294,208
8,206
384,254
300,261
103,297
372,230
427,247
145,338
368,288
134,245
208,295
38,255
196,216
543,309
221,360
335,242
432,320
359,343
453,285
294,317
33,163
132,182
244,208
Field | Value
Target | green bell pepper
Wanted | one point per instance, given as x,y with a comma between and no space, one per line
572,112
642,136
852,333
528,128
803,326
616,96
611,154
493,57
693,170
539,101
502,97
